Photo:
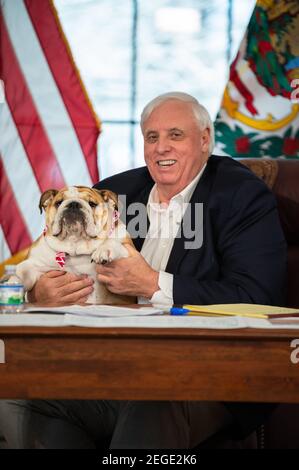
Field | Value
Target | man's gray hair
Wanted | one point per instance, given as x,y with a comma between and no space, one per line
200,113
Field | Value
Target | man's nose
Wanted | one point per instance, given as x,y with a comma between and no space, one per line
163,145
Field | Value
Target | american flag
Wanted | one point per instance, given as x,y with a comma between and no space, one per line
48,130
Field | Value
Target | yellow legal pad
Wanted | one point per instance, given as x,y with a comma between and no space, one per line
243,310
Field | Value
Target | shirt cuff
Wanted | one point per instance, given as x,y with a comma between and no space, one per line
165,294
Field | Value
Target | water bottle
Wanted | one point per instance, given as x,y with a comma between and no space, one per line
11,291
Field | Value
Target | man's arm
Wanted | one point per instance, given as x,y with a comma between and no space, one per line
251,251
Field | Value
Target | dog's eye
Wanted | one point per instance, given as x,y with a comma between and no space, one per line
57,204
92,204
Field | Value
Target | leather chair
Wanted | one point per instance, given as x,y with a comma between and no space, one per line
282,176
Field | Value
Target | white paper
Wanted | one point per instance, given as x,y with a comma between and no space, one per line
137,321
31,319
98,310
260,323
161,321
169,321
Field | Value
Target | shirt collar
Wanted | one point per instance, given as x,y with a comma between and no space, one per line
181,198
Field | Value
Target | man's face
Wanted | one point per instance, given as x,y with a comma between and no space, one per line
175,149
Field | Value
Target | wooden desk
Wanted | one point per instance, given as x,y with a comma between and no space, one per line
159,364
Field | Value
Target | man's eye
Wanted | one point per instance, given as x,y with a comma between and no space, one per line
151,138
92,204
176,135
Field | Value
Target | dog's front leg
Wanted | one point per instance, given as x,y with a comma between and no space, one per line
28,273
108,251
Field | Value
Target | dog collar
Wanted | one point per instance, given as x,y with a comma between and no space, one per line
115,217
60,258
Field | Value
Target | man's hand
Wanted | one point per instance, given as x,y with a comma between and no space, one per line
129,276
60,287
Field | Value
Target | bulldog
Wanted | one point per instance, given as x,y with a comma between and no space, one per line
82,228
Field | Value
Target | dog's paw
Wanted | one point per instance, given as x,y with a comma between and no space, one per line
108,252
101,256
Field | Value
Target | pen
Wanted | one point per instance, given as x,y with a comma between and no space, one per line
180,311
194,310
184,311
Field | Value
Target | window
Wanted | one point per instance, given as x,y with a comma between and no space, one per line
130,51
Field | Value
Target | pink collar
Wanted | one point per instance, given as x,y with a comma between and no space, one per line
60,255
115,217
60,258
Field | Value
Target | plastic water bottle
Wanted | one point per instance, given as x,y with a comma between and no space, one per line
11,291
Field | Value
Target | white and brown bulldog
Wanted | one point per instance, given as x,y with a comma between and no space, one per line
82,228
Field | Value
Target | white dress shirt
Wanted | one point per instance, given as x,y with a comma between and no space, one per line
165,221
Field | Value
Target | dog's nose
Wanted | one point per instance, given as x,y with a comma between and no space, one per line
74,205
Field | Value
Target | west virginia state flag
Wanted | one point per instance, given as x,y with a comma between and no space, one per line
259,115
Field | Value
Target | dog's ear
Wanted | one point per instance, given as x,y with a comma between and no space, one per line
46,198
109,197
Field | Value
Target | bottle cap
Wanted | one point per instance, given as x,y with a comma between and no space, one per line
10,268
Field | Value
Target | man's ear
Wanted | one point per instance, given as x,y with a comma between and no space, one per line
205,139
109,197
46,198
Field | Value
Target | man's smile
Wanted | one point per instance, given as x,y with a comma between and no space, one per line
166,162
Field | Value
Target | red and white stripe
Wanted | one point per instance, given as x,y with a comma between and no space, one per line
48,131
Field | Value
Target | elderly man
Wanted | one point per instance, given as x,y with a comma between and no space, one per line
234,251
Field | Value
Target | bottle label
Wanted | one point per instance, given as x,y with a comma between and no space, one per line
11,294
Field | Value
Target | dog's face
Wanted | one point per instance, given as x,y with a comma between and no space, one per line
77,211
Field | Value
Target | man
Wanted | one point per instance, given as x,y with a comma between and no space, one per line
238,254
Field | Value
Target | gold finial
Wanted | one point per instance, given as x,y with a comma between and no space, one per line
265,4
